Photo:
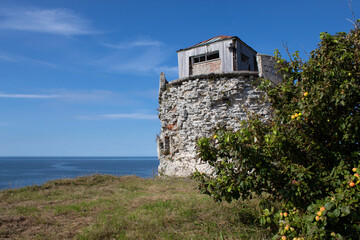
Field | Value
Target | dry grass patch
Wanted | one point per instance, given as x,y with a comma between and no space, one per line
129,207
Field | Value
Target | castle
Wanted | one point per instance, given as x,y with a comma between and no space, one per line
215,86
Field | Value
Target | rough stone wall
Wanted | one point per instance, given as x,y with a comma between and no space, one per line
190,108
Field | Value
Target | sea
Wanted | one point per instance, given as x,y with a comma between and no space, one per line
17,172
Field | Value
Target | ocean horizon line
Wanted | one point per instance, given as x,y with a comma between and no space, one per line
79,157
75,156
18,172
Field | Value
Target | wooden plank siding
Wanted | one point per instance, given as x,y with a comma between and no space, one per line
250,53
229,62
224,54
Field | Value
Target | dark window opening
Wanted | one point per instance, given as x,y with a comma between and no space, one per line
213,56
205,57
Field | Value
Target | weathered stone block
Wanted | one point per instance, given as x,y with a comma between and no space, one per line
193,107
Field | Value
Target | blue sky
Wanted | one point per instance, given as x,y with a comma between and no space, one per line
80,78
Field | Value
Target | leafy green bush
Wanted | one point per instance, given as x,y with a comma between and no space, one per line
307,156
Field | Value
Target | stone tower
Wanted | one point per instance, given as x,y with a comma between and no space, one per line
208,93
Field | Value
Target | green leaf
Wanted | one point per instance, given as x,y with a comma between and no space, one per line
329,205
336,212
262,221
345,210
310,218
331,214
311,208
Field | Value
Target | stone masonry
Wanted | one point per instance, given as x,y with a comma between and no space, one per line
190,108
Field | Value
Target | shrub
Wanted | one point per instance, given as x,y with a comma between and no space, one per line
307,156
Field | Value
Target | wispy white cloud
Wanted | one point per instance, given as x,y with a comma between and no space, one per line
20,59
4,124
7,58
136,43
137,116
64,95
140,62
145,62
54,21
84,95
29,96
142,56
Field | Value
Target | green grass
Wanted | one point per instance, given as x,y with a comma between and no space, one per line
129,207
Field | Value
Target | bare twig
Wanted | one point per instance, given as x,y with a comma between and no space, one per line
351,22
307,54
354,22
352,12
287,50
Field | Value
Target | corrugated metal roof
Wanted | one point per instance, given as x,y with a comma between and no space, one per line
214,39
211,40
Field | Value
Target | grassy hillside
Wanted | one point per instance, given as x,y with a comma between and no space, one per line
129,207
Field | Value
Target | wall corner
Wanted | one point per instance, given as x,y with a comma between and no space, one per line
266,67
162,84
